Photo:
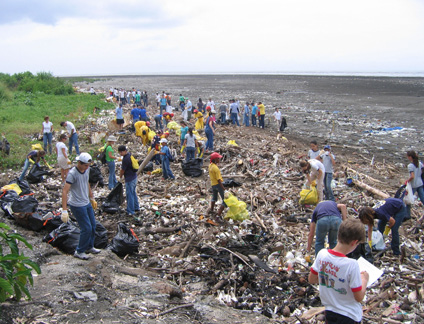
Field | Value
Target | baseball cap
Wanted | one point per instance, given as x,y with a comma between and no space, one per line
215,155
85,158
327,147
163,140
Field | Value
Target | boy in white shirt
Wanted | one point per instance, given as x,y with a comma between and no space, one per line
277,117
341,284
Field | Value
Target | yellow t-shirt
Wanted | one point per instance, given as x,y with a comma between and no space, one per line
214,174
262,109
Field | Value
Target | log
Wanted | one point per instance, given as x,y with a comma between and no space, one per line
374,191
146,160
161,230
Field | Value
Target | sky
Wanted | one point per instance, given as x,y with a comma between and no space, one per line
73,38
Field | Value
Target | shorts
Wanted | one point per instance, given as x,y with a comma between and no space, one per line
217,189
63,163
119,121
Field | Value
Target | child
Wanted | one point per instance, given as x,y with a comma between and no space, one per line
184,130
313,153
341,284
166,157
390,216
216,182
329,160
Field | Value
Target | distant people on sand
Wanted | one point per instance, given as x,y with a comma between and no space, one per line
261,108
223,109
254,113
210,131
234,111
246,115
277,116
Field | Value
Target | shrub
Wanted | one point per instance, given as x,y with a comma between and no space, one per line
15,268
5,93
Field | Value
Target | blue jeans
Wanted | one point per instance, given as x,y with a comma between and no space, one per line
235,119
223,117
162,108
328,225
399,216
47,139
25,169
420,191
209,136
253,120
166,169
262,121
246,120
112,177
190,153
328,191
158,121
132,200
73,140
87,224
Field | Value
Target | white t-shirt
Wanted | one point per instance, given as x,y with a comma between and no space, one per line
70,127
313,154
211,104
59,147
338,278
326,160
417,181
277,115
317,165
47,127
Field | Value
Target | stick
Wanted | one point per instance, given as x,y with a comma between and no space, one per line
175,308
183,252
375,191
146,160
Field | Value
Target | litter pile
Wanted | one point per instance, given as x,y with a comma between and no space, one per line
257,261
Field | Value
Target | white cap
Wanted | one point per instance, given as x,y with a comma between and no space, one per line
84,158
163,140
213,111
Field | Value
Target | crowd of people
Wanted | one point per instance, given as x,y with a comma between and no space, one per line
329,221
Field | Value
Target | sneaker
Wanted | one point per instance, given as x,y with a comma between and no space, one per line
93,251
81,256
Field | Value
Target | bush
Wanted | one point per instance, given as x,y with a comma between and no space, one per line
5,93
15,268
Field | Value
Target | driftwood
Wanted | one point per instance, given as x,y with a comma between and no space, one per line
146,160
375,191
161,230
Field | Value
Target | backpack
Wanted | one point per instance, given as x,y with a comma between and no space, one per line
134,164
102,156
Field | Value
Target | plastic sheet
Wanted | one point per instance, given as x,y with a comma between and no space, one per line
237,209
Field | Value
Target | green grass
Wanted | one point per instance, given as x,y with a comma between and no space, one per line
79,79
21,119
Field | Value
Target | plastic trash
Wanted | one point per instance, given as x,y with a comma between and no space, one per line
125,241
309,196
237,209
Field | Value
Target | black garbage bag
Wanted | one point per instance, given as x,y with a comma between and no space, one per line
65,237
51,223
23,184
125,241
362,250
192,168
8,196
114,199
100,240
401,192
148,167
37,174
25,204
33,221
231,183
96,176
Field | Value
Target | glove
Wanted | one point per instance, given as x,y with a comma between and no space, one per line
93,203
119,159
65,216
31,160
49,166
198,150
370,244
386,231
182,149
69,162
308,258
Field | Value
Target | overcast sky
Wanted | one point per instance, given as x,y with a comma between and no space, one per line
182,36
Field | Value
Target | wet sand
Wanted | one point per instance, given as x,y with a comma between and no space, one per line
346,111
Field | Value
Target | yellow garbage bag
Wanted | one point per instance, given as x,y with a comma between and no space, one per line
173,125
12,186
309,196
232,142
37,147
237,209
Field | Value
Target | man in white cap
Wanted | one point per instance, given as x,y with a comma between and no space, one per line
82,204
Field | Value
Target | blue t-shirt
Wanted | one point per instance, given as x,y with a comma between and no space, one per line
165,149
389,209
184,131
134,113
119,113
129,173
142,113
254,110
163,101
325,208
